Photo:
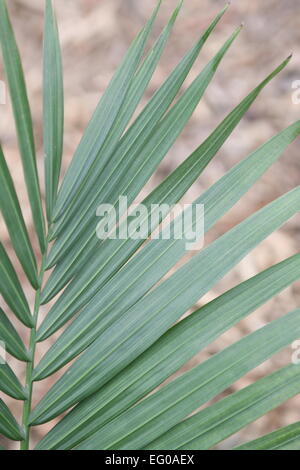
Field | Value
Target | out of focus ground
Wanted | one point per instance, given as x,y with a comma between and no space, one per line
94,36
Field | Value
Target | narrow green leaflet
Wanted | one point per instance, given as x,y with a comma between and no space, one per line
139,327
102,120
219,421
126,296
158,413
53,107
13,343
141,128
169,353
9,383
140,278
114,140
130,177
134,95
8,425
16,83
11,290
13,217
287,438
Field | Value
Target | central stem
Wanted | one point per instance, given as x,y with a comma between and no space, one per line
30,365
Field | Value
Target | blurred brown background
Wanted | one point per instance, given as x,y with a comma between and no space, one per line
95,35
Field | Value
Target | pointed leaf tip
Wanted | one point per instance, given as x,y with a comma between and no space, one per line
176,11
227,5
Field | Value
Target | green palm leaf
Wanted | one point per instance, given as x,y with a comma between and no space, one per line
11,289
11,338
106,113
140,326
8,425
151,262
10,384
287,438
169,353
18,93
129,333
53,108
13,217
216,201
221,420
139,426
142,128
133,97
138,167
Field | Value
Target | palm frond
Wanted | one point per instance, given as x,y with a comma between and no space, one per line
8,425
128,333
